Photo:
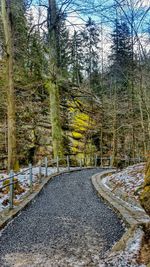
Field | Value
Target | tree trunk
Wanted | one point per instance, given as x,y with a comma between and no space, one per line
55,120
101,146
143,127
11,117
114,140
57,139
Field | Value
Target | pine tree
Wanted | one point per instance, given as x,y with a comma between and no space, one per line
91,41
63,46
77,58
121,55
20,36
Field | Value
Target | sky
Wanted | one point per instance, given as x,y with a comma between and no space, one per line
103,12
78,11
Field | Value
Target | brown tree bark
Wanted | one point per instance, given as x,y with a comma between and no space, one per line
11,116
57,138
114,130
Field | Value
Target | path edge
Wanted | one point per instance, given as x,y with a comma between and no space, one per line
130,216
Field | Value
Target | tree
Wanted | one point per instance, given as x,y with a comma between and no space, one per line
91,41
11,114
77,58
63,46
47,54
121,56
52,83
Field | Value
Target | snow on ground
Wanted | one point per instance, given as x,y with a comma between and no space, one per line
127,257
128,181
24,183
127,185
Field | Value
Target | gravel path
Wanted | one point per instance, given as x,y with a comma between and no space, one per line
66,225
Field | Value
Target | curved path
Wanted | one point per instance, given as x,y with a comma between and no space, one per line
66,225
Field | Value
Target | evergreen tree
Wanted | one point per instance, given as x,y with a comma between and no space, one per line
121,55
20,39
63,46
91,41
77,58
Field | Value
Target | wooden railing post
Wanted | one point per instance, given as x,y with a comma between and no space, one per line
110,160
40,173
80,163
101,162
95,161
68,164
11,187
46,167
30,178
57,161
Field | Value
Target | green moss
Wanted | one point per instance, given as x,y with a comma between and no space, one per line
77,135
16,167
57,136
6,182
75,150
145,196
82,124
145,199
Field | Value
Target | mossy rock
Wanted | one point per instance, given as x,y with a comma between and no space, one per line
138,191
145,199
145,195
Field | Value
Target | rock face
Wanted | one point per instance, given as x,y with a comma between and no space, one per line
145,196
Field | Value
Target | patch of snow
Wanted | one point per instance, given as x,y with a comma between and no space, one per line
127,256
129,180
24,182
105,182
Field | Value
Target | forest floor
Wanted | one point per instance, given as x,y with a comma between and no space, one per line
66,225
128,183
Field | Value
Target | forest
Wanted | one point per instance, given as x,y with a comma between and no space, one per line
75,103
74,80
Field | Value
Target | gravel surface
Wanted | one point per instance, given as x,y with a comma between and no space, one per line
66,225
